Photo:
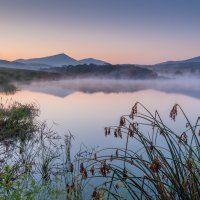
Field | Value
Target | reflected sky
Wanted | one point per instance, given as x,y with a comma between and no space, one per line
86,115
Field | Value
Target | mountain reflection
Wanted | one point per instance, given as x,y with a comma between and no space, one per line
187,86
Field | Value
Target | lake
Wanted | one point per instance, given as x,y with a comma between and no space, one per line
85,107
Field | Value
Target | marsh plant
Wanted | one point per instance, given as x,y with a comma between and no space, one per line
32,155
17,121
156,162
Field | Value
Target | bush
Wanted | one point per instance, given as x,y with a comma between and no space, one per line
17,121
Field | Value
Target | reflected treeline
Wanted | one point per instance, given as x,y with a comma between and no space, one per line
9,78
187,85
109,79
8,88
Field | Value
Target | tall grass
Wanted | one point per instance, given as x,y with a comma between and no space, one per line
17,121
163,165
29,154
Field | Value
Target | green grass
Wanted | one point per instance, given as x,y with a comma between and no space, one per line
28,153
17,121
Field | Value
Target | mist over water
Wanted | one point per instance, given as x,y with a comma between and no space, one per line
86,106
184,85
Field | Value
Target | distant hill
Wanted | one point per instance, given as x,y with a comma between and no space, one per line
9,64
191,60
188,66
55,60
89,61
59,60
191,65
18,65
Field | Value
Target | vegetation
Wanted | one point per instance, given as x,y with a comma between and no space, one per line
106,71
165,165
161,164
30,155
17,120
8,77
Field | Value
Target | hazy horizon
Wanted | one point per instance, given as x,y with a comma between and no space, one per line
59,53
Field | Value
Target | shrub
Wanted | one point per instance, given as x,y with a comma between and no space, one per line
17,121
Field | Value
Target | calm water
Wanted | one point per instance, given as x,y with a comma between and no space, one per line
85,107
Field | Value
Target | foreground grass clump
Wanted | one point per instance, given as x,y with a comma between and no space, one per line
33,161
17,121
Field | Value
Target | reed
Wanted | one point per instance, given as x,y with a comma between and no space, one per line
156,161
162,164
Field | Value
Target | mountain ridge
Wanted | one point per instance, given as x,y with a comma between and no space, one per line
190,60
53,60
59,60
89,61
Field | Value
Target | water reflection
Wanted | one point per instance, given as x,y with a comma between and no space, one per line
184,85
86,115
8,88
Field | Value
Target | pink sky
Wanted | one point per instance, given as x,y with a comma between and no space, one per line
142,32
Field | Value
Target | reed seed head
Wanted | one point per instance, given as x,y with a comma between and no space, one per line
155,165
122,121
173,112
96,195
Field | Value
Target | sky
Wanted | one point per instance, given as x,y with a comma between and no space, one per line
116,31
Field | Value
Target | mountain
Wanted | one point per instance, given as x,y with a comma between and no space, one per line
191,60
55,60
18,65
177,68
5,62
195,59
9,64
89,61
60,60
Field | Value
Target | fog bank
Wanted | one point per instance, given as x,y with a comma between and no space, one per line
185,85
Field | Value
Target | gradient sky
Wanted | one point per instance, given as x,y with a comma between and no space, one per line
117,31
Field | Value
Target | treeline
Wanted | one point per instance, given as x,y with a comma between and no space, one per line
106,71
